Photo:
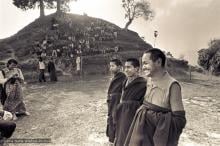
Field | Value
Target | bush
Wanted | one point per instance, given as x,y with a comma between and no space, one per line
209,58
175,63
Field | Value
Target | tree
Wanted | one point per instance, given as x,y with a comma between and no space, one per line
31,4
210,57
135,9
61,5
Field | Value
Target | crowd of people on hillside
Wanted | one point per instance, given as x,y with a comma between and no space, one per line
85,39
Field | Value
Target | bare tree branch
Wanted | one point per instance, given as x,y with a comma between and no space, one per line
135,9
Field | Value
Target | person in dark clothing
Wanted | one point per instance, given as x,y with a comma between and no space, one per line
52,70
114,95
133,92
3,95
54,24
6,127
161,118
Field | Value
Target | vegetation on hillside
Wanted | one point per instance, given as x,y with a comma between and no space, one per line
209,58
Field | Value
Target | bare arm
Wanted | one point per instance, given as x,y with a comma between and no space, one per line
2,79
21,74
176,98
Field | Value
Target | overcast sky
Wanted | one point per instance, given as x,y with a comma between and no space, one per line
184,26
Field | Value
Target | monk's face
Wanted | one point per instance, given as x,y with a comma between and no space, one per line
114,68
130,70
149,67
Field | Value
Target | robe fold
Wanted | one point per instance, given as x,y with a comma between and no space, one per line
132,98
155,126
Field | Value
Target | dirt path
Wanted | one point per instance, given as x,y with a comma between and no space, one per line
202,104
71,115
74,113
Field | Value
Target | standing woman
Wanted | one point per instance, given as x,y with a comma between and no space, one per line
14,101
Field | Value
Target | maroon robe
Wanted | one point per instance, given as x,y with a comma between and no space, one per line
155,126
132,98
114,95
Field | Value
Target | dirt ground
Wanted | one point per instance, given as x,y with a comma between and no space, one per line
73,112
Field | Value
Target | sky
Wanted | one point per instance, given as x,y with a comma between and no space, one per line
184,26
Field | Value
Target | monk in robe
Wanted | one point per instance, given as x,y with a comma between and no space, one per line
161,118
133,92
114,95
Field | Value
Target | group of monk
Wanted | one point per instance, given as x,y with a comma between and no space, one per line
144,109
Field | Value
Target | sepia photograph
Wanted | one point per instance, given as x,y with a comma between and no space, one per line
109,72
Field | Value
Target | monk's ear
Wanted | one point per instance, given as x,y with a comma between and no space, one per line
137,69
119,67
158,62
